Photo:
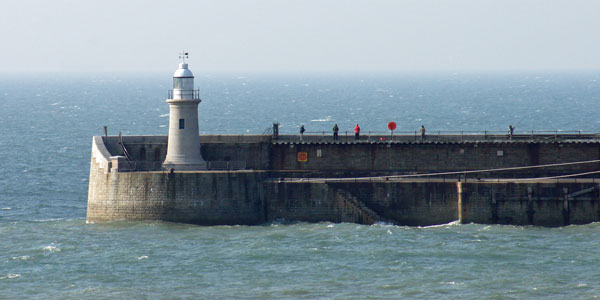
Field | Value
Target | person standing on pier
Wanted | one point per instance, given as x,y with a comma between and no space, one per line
511,129
422,131
335,132
302,130
356,132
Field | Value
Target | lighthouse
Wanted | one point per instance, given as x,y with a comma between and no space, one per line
183,148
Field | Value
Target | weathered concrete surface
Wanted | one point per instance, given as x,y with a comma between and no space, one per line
437,157
205,198
126,190
260,152
546,204
148,152
400,203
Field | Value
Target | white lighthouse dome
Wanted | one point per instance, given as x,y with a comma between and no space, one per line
183,71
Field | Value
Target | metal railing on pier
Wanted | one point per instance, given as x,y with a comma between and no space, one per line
462,135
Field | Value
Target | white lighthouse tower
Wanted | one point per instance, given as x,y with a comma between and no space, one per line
183,149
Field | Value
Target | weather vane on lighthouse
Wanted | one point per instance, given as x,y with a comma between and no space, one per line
183,55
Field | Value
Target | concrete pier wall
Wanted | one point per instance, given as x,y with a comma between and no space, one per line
546,204
436,157
147,153
399,203
260,152
265,191
206,198
430,203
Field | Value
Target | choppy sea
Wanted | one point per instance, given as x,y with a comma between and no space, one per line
47,251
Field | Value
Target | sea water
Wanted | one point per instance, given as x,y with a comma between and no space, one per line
47,251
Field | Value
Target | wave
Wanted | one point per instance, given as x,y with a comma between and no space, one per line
453,223
326,119
10,276
51,248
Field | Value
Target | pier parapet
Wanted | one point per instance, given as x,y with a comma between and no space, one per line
256,179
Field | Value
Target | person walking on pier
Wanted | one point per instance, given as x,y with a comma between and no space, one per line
302,130
422,131
511,129
335,132
356,132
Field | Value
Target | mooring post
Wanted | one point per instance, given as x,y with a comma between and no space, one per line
598,203
530,211
494,207
565,211
459,192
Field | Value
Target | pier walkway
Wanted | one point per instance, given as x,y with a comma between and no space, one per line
442,136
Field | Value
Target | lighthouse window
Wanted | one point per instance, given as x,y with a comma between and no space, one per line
181,123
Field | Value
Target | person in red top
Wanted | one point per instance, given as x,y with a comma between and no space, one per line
356,132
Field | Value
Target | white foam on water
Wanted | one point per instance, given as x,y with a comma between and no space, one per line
49,220
486,228
326,119
24,257
453,223
10,276
163,116
383,224
52,248
452,283
6,208
143,257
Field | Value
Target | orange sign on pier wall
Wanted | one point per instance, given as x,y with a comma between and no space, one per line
302,156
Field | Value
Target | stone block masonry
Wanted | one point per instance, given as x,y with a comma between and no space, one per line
207,198
126,185
432,157
536,203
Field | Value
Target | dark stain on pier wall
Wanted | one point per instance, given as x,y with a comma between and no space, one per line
534,154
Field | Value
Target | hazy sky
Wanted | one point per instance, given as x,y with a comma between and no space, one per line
308,35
